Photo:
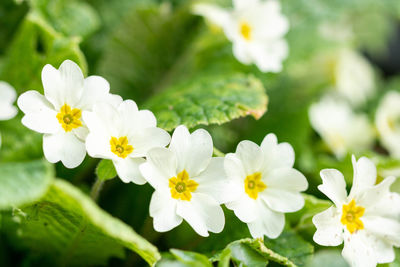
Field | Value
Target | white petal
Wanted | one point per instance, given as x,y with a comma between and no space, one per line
64,147
333,186
269,223
244,207
145,118
73,81
203,213
7,98
269,56
242,53
374,194
250,155
329,229
357,252
98,146
234,168
213,13
147,139
159,168
128,170
95,90
213,181
282,200
241,4
194,151
40,115
52,84
276,155
364,175
163,212
287,179
387,229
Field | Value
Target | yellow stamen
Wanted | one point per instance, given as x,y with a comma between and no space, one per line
120,146
182,187
254,185
351,214
245,30
69,119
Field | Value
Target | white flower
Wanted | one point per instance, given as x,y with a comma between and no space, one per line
387,120
57,114
340,128
354,77
7,98
256,29
189,184
367,219
264,185
120,132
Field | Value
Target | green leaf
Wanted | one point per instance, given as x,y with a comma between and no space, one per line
35,44
24,182
105,170
188,258
243,254
72,230
209,100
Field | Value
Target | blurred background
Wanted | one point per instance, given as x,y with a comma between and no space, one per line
144,47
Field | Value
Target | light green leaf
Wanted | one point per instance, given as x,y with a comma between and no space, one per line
24,182
209,100
72,230
105,170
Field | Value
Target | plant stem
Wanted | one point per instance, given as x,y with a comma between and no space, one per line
96,188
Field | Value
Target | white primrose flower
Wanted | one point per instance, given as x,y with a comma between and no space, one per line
120,132
340,128
366,220
189,184
387,120
354,77
264,185
256,28
7,98
58,114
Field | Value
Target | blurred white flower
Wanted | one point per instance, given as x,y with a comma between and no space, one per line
256,28
7,98
57,114
264,185
120,132
341,129
367,219
387,120
354,77
189,184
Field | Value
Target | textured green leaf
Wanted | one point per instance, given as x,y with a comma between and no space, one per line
185,258
24,182
72,230
209,100
105,170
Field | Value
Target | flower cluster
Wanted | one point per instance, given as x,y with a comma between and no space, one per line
367,220
256,28
7,98
78,114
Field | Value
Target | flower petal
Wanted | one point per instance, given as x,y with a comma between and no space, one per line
163,212
286,179
64,147
128,170
7,98
385,228
333,186
250,155
203,213
329,229
357,252
39,113
159,168
276,155
234,168
245,208
96,89
147,139
282,200
269,223
364,175
371,197
213,181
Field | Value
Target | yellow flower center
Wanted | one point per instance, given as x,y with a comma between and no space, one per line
69,118
245,30
182,187
351,214
253,185
120,146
